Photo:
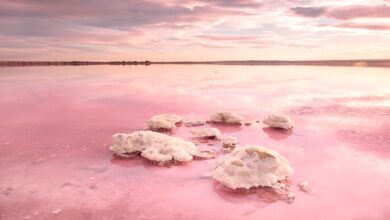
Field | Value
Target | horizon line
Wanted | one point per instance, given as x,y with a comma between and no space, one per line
325,62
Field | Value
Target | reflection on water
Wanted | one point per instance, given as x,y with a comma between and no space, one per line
56,125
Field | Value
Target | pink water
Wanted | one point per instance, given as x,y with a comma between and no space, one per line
56,125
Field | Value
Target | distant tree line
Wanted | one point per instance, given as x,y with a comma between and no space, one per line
71,63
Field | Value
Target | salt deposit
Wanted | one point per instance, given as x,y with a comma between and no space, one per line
252,166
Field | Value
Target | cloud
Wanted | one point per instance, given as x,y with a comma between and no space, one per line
351,12
229,37
309,11
376,27
237,3
176,27
345,13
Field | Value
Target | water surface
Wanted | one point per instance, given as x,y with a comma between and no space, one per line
56,125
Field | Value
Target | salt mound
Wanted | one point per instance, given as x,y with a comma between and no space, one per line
279,121
226,118
155,146
206,133
252,166
229,142
164,122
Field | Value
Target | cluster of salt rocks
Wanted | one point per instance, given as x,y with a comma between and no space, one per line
244,167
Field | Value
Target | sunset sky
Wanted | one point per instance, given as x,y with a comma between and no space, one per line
167,30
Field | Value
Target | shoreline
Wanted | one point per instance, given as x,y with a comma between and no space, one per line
353,63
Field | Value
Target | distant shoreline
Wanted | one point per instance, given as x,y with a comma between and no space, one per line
356,63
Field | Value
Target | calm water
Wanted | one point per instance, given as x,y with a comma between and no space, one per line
56,125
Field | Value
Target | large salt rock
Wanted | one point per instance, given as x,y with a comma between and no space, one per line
279,121
206,133
155,146
252,166
226,118
164,122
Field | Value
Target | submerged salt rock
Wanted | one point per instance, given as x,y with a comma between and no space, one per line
194,123
164,122
252,166
279,121
154,146
206,133
204,154
229,142
226,118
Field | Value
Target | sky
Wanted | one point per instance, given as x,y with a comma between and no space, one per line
197,30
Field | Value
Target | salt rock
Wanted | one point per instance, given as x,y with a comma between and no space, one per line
229,142
155,146
304,186
252,166
279,121
206,133
226,118
164,122
194,123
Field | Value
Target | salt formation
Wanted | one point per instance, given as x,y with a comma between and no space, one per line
304,186
155,146
206,133
194,123
229,142
252,166
164,122
279,121
226,118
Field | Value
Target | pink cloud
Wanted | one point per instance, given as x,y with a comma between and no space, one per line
103,28
345,13
351,12
229,37
376,27
309,11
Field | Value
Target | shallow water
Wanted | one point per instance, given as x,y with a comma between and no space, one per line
56,125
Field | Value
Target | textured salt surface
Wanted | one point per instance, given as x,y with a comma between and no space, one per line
154,146
252,166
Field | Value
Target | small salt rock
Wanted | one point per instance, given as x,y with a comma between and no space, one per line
304,186
56,211
248,123
164,122
279,121
290,197
206,133
226,118
194,123
204,154
229,142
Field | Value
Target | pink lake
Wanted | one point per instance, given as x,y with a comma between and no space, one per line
56,125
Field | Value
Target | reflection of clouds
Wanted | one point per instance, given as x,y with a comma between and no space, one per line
377,164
